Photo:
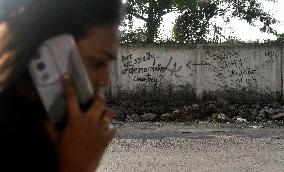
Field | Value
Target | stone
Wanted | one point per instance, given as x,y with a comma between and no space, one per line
135,118
215,115
128,118
219,116
241,120
149,117
195,106
222,116
276,105
278,116
256,127
176,111
119,115
271,111
261,116
167,117
279,111
114,121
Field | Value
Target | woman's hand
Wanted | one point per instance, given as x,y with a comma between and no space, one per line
81,144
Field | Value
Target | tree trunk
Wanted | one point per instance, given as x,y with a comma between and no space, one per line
152,23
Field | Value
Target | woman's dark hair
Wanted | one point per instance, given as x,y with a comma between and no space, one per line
28,25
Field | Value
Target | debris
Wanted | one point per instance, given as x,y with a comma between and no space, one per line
280,115
241,120
149,117
185,132
256,127
195,106
219,116
114,121
276,105
177,111
119,115
222,116
271,111
203,122
167,117
210,111
134,118
262,116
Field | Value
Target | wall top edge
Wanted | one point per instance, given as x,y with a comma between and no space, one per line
202,45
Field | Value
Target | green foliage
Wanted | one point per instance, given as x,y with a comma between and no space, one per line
194,23
133,36
280,38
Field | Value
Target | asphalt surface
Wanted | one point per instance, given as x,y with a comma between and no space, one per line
171,147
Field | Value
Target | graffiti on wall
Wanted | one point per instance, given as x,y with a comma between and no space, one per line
231,68
148,68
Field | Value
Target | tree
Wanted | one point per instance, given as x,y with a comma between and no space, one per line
193,24
195,19
151,12
280,38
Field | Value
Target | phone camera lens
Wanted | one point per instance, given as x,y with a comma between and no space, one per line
40,66
45,77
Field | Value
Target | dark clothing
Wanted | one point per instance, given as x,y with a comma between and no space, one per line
24,146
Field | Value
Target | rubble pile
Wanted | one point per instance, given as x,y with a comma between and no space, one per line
205,111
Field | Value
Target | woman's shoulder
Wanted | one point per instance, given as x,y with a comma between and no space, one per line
17,111
7,98
22,137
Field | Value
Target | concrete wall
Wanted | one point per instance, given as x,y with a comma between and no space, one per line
204,71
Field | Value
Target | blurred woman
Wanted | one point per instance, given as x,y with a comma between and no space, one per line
28,141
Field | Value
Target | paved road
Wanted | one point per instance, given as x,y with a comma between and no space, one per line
161,147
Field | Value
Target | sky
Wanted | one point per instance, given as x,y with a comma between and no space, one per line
241,29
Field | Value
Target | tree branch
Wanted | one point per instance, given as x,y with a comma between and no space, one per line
138,16
133,12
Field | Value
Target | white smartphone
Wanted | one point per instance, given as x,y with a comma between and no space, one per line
57,57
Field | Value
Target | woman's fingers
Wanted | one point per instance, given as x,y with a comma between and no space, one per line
112,133
71,99
107,117
106,121
96,110
98,113
51,132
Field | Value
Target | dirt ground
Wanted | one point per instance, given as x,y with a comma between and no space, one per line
202,147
